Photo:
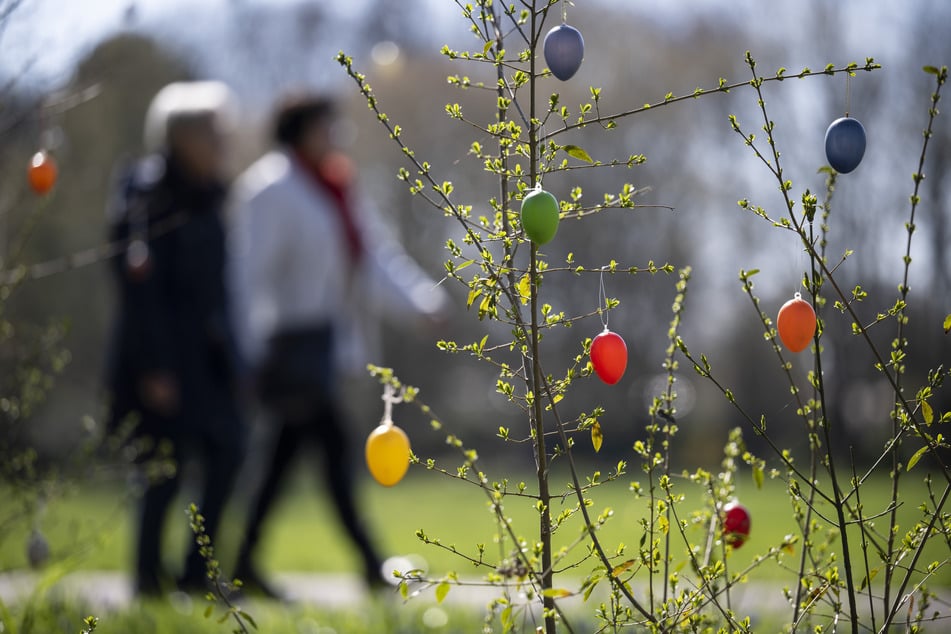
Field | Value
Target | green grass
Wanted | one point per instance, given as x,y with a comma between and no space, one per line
52,615
95,524
303,534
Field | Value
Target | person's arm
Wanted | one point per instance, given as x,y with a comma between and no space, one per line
257,243
398,285
146,320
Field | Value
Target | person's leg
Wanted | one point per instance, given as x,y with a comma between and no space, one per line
154,508
339,475
288,441
222,452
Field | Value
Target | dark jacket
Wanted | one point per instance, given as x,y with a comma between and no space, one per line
173,312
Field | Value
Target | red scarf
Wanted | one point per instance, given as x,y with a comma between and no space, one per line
334,176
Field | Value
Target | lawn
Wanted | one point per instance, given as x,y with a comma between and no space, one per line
303,534
186,615
94,525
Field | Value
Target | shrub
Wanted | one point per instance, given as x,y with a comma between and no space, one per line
678,575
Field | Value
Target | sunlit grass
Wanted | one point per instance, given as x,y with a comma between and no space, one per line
304,535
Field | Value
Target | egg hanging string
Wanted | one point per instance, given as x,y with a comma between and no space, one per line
564,11
602,300
801,268
542,139
848,93
389,399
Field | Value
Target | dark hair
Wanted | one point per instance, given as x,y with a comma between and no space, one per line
295,114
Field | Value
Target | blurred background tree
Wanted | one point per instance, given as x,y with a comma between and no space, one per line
133,48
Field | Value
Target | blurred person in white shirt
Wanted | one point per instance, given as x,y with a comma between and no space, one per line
314,271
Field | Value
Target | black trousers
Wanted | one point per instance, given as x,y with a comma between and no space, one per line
219,455
322,429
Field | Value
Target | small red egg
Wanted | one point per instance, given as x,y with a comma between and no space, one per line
736,523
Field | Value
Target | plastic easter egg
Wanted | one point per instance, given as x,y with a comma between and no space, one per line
609,356
564,51
845,144
37,549
540,214
736,523
387,454
42,173
796,324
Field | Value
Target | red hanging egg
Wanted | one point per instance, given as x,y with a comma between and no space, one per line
736,523
609,356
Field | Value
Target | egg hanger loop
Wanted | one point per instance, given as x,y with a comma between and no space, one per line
848,93
37,510
542,137
801,268
42,121
602,300
389,399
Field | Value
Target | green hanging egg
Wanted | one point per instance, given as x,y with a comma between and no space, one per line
540,216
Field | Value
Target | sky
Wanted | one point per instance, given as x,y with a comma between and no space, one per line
50,34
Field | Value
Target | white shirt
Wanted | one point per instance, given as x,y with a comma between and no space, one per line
290,267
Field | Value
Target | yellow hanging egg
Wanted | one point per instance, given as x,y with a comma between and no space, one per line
387,454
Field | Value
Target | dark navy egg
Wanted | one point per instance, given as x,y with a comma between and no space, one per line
564,51
845,144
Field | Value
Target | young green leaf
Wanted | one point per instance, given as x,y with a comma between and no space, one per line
506,618
916,457
578,153
557,593
596,436
623,567
247,617
524,289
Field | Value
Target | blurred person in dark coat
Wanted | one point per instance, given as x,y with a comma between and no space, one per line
174,364
315,269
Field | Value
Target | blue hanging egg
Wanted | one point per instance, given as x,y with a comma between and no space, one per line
845,144
564,51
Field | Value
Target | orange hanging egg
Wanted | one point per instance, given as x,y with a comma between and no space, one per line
42,173
387,454
796,324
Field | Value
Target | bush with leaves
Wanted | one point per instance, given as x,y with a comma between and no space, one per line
677,577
